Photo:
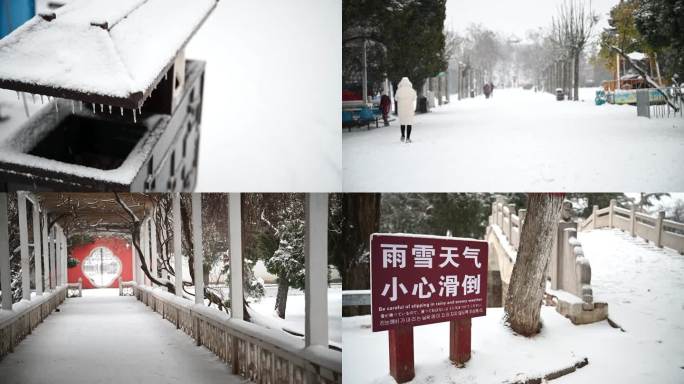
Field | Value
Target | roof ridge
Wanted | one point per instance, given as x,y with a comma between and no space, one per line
114,24
121,60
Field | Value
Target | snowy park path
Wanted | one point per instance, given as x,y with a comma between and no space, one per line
104,338
519,140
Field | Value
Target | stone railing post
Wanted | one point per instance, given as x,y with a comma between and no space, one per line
499,215
522,214
511,212
594,216
611,213
582,274
632,216
492,218
659,229
120,286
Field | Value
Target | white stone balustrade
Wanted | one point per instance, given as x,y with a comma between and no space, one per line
656,229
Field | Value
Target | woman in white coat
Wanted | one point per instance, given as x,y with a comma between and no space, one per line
406,107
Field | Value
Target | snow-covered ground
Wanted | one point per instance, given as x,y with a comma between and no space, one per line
104,338
519,140
643,286
272,89
294,311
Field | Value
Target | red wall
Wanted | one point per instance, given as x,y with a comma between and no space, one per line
116,245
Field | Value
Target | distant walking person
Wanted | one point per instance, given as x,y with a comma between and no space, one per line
487,90
406,99
385,104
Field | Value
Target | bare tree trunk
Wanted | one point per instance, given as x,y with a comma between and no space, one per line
281,297
566,78
526,289
576,66
135,237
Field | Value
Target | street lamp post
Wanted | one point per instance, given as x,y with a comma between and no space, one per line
365,73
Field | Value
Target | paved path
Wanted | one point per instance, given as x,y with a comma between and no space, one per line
104,338
519,141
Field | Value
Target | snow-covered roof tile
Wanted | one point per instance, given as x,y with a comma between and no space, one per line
103,51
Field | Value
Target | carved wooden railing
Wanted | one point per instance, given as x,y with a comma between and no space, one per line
262,355
658,230
25,317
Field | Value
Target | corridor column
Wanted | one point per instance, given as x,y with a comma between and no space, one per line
139,279
51,251
65,253
5,276
23,247
145,245
235,239
46,252
177,251
37,250
153,247
58,257
134,254
197,247
316,260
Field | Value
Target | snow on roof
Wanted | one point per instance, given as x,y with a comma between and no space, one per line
105,51
637,56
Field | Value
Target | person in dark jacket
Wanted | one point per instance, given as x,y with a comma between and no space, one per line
385,104
487,89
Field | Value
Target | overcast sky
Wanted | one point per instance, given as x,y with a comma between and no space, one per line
511,16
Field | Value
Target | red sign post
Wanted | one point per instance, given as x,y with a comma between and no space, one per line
418,280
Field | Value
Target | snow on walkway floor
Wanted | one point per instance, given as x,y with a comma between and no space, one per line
104,338
519,140
644,287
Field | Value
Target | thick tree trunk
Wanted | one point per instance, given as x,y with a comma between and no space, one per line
526,288
281,298
362,218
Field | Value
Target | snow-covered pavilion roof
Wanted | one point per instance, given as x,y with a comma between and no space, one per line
111,52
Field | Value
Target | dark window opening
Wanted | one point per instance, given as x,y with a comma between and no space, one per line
90,142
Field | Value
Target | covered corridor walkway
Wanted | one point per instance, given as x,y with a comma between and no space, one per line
104,337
